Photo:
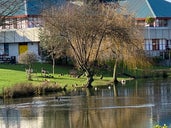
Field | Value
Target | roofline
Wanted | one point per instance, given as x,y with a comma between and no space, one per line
148,4
140,18
22,16
164,18
25,7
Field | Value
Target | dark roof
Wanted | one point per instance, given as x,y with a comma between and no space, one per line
144,8
161,8
35,7
140,8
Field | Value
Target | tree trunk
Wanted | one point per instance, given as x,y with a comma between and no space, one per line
29,76
115,92
90,79
29,73
53,65
90,92
114,72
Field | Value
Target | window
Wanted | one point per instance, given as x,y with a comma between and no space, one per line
6,49
148,45
30,22
163,44
161,23
15,23
155,44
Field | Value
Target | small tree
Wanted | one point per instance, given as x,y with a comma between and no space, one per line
28,58
54,45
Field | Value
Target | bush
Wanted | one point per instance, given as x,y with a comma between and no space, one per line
149,20
165,74
158,126
29,90
47,87
20,90
28,58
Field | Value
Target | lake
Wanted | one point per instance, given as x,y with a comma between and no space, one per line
136,104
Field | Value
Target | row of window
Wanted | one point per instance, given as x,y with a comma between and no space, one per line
154,44
22,47
157,23
19,23
6,48
157,44
30,22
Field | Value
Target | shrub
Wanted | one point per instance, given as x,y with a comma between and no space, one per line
158,126
29,90
165,75
149,20
20,90
47,87
28,58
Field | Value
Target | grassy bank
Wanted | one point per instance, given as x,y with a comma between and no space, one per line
13,74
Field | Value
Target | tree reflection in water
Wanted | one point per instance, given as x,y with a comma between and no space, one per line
102,112
138,104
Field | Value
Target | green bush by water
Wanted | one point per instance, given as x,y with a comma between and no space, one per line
30,90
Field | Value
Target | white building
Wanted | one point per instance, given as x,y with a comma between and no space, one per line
20,31
157,37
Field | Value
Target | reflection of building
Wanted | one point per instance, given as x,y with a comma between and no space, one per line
19,118
19,32
9,117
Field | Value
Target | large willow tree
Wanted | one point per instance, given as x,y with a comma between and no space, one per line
93,31
124,41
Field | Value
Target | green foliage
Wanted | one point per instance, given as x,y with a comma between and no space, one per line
159,126
157,60
149,20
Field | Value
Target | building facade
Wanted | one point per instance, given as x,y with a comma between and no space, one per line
20,31
157,35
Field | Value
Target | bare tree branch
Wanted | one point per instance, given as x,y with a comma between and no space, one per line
96,31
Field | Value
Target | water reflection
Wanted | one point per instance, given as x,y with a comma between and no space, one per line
136,104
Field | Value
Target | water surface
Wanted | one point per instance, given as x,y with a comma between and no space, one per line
137,104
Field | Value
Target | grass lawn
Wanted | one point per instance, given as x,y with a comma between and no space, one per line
12,74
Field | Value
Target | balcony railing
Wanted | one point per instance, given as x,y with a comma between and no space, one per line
157,32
